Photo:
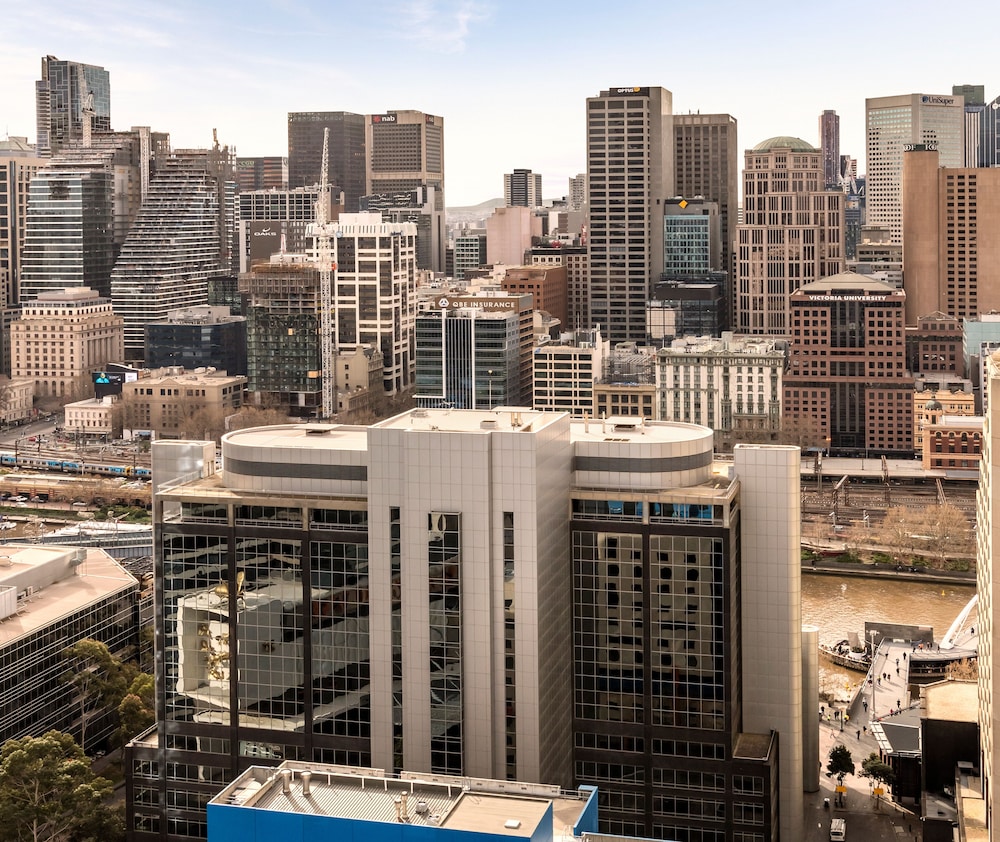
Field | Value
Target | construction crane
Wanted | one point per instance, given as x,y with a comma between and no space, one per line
322,232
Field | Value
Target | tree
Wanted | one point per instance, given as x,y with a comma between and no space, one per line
49,792
841,764
947,530
899,526
252,416
877,772
137,710
964,670
100,678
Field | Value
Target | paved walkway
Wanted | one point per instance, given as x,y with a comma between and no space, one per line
867,818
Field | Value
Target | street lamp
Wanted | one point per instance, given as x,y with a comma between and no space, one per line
872,674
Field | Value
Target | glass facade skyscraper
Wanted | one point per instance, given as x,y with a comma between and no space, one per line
60,97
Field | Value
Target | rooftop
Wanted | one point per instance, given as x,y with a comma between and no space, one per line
477,805
80,580
951,700
796,144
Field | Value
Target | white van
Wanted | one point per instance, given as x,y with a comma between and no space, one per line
838,830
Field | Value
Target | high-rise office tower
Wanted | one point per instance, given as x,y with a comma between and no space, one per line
988,591
271,221
346,150
16,173
672,607
576,196
458,592
847,374
522,188
982,127
406,152
706,157
82,206
894,123
374,295
268,172
829,144
792,232
66,90
184,234
69,235
952,260
469,358
630,171
283,306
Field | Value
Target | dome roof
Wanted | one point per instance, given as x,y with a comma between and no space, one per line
933,405
796,144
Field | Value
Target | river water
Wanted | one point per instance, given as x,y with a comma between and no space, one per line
838,605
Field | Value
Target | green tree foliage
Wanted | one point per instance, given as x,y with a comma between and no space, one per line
877,772
48,793
840,763
136,711
101,679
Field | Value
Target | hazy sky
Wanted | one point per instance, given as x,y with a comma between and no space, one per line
509,77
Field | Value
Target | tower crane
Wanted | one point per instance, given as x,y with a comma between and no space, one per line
322,232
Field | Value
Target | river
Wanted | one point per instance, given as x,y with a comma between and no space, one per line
838,605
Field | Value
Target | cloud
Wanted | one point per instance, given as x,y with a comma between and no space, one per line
440,26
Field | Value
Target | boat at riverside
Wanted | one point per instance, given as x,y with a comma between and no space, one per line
928,660
846,653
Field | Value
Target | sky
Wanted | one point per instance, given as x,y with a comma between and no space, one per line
510,78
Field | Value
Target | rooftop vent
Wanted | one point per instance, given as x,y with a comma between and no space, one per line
306,778
512,824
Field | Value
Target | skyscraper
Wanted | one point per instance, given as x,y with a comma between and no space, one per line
706,157
829,144
69,235
406,152
82,206
894,123
16,173
469,593
988,592
522,188
347,151
184,234
982,126
65,88
374,295
792,232
952,258
630,170
577,192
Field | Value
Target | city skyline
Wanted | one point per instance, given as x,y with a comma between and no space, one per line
187,69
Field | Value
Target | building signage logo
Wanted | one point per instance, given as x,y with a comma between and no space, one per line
937,100
383,118
878,298
446,302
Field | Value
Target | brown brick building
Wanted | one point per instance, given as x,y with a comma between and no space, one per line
546,283
847,365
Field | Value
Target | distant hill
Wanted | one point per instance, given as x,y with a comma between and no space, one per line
473,213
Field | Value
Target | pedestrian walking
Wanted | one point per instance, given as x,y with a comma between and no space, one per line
899,704
880,682
897,670
897,663
904,656
859,734
864,704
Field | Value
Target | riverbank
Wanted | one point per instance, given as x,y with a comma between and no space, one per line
818,557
